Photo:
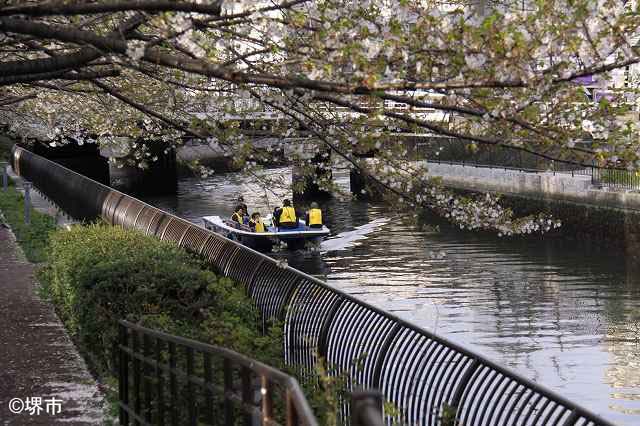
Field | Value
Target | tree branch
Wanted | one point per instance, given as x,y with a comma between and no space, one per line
63,33
58,75
15,100
445,132
59,8
111,91
62,62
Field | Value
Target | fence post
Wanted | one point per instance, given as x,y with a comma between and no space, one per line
267,400
366,408
5,176
123,372
27,202
521,163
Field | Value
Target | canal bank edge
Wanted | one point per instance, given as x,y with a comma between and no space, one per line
601,219
598,227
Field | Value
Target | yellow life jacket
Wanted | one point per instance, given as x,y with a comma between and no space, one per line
259,226
237,217
288,215
315,217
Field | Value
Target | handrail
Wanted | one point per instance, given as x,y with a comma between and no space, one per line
158,360
423,374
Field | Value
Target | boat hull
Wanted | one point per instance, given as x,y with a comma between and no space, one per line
294,238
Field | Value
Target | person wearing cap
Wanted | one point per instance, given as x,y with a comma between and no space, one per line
245,211
313,218
285,216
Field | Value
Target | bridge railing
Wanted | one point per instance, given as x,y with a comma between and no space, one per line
428,378
165,379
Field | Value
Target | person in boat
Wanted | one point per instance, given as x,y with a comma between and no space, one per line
256,224
238,214
313,218
285,216
245,210
245,215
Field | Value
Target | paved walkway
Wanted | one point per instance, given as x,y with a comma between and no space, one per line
37,358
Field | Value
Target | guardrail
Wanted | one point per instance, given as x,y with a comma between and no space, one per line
430,379
587,171
181,381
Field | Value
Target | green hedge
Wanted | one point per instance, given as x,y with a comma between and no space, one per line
33,238
99,274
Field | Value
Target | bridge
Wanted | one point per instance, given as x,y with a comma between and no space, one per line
430,379
255,122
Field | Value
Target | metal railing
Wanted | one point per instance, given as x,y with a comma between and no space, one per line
491,157
616,179
165,379
428,378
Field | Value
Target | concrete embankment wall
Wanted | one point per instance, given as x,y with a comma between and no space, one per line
598,217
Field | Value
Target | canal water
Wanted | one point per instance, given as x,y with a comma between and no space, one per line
554,311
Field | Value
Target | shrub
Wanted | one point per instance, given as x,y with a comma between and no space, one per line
100,274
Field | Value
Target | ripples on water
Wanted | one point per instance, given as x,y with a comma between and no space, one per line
555,312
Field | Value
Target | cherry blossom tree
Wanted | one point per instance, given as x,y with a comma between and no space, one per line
351,75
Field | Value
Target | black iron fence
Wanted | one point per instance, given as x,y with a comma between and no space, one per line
428,378
456,152
166,379
616,178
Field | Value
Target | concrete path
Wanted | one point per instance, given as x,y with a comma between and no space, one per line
37,358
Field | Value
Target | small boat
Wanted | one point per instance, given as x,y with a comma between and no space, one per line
295,238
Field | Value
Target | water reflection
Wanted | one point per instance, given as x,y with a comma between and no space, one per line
555,312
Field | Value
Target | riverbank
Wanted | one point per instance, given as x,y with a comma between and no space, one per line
599,228
602,219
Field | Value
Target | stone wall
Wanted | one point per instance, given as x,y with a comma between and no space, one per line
600,218
603,227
